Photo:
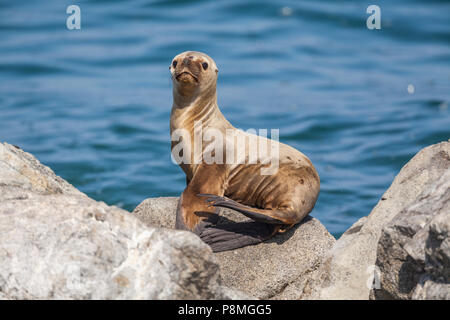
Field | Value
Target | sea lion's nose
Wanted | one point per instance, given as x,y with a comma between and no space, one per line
187,61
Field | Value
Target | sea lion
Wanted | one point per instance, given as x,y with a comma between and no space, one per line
275,201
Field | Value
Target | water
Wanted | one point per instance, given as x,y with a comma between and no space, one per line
94,104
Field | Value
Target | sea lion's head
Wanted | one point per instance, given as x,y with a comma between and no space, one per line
193,73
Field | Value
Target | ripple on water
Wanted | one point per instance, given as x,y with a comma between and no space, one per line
94,104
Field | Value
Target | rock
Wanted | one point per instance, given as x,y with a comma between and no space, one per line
57,243
427,289
277,269
349,269
21,173
280,268
157,212
414,249
438,245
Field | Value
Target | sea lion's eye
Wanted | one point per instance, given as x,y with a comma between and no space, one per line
174,63
205,65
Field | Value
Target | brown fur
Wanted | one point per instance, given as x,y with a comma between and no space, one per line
285,197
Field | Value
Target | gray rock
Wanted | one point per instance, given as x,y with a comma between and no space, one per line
414,249
21,172
57,243
427,289
157,212
438,246
277,269
349,270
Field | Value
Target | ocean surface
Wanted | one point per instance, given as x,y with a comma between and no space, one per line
94,104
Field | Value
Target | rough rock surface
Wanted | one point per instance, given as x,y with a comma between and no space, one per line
57,243
349,269
413,254
277,269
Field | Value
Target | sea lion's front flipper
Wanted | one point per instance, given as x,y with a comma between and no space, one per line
231,236
260,215
192,209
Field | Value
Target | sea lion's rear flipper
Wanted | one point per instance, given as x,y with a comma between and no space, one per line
231,236
260,215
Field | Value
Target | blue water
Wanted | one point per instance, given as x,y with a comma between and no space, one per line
94,104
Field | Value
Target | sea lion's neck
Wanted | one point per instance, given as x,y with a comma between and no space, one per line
188,111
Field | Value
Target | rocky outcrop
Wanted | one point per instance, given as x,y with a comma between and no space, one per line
57,243
349,271
413,257
277,269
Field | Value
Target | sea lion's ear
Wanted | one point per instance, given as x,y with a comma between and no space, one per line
217,70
